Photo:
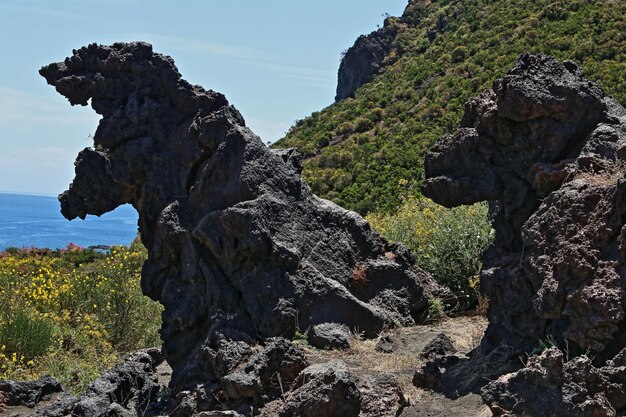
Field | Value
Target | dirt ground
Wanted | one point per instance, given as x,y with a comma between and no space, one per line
362,358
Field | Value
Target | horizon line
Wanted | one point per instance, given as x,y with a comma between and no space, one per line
27,193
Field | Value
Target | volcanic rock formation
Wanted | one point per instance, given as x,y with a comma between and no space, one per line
239,247
547,148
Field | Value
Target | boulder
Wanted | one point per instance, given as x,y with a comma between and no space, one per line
326,389
329,336
125,390
381,396
28,393
440,346
550,385
266,375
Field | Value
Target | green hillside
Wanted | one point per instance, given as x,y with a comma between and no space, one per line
366,153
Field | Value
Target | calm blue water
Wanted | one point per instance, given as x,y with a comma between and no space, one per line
36,221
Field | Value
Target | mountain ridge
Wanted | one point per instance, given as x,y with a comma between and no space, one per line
366,153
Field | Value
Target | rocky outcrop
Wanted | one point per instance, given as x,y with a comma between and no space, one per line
28,393
130,388
371,54
551,386
126,390
362,61
547,148
239,248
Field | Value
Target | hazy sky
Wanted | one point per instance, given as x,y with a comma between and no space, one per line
275,60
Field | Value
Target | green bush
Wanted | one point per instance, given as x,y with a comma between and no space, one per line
448,243
25,336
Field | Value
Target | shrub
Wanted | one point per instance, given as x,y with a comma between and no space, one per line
345,128
71,313
23,335
435,311
448,243
363,124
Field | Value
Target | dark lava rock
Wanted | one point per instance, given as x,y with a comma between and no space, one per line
125,390
329,389
547,148
239,248
427,375
440,346
59,408
267,374
326,389
381,396
549,386
28,393
438,355
386,343
329,336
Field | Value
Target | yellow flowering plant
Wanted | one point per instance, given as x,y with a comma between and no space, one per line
72,312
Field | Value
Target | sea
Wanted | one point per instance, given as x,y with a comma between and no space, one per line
28,221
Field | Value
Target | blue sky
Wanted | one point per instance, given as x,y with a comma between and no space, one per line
275,60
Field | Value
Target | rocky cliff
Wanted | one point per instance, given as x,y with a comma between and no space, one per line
362,61
240,250
371,53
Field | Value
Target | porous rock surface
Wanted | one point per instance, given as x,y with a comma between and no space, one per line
239,248
551,386
326,389
28,393
130,388
125,390
329,336
546,148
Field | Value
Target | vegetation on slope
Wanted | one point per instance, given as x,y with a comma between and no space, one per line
72,313
448,243
366,153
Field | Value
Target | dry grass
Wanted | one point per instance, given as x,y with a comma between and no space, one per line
605,175
482,305
362,357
